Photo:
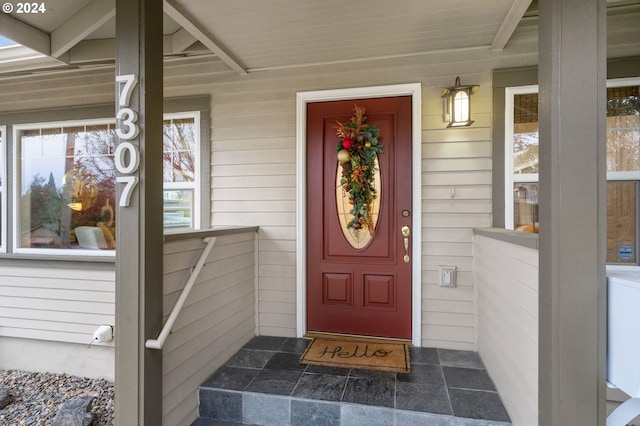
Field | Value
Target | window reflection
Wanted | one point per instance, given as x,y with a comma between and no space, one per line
621,222
623,167
525,133
67,181
179,172
525,209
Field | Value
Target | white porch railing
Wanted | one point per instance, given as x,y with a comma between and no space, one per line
506,276
168,326
218,317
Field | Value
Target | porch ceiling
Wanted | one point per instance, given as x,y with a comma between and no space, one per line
250,35
253,35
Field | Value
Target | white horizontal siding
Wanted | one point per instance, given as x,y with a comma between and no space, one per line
253,163
253,180
217,319
456,197
58,90
482,177
57,304
507,288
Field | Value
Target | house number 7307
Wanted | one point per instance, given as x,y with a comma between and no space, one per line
127,156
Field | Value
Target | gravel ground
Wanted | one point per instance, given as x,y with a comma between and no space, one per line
37,397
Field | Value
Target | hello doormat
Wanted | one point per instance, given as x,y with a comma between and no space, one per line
358,353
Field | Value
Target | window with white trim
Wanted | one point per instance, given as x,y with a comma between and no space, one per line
3,191
64,186
623,165
521,158
64,183
180,171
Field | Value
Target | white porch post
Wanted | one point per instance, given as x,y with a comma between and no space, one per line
572,78
139,239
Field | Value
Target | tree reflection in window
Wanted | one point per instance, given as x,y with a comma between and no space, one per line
179,148
67,182
71,180
180,172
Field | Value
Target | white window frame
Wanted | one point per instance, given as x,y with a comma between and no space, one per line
510,178
17,188
634,175
197,185
17,182
3,188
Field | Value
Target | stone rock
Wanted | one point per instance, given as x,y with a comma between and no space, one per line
75,412
5,396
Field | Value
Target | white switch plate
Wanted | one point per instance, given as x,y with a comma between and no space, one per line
447,276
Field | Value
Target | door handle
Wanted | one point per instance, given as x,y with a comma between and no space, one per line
406,231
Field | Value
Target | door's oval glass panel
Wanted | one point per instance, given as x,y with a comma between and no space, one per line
357,238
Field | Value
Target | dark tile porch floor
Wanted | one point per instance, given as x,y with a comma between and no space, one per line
265,384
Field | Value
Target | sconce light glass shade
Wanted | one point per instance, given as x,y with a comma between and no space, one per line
457,104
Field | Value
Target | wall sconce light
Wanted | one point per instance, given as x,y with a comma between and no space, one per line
457,106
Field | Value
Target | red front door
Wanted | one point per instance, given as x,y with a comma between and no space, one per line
359,285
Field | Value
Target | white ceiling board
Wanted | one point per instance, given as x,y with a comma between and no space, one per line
80,25
201,32
256,35
15,53
57,12
259,34
181,40
517,11
104,50
24,34
108,30
276,33
17,58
